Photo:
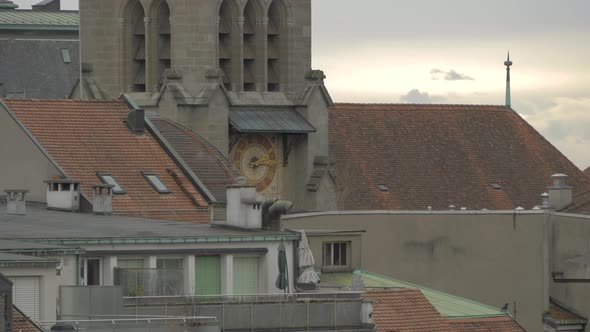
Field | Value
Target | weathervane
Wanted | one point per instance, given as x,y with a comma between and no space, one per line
508,63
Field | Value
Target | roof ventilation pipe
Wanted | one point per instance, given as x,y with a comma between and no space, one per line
15,202
272,210
560,194
136,120
102,201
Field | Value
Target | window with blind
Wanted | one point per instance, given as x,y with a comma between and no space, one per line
207,275
26,295
245,275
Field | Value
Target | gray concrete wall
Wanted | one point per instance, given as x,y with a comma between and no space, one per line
493,258
22,163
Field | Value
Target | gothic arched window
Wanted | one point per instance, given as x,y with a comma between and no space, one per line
276,45
227,13
162,38
134,51
250,47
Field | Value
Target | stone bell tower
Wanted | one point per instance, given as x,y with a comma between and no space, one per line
237,72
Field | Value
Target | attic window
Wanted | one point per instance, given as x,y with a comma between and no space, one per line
383,187
107,178
66,56
156,183
497,186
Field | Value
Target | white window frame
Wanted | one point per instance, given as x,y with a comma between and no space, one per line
331,263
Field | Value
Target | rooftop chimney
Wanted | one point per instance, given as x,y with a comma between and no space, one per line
244,207
102,201
560,194
15,202
63,195
136,120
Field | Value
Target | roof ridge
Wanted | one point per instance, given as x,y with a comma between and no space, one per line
63,100
419,104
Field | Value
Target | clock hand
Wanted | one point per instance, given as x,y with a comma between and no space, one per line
264,161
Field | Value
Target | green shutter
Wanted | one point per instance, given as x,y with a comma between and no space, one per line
245,275
207,275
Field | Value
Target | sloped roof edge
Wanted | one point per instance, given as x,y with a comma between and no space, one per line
171,152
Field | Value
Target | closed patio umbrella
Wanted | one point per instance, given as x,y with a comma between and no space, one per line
306,263
283,277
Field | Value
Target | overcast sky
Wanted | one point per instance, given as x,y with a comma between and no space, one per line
453,51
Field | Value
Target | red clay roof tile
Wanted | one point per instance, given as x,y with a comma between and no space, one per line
22,323
560,313
405,310
489,324
89,136
442,155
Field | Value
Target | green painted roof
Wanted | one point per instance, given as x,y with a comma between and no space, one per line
31,19
449,306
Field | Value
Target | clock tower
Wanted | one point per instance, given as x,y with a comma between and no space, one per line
236,72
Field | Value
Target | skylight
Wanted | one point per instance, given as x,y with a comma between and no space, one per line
496,186
65,55
107,178
156,183
382,187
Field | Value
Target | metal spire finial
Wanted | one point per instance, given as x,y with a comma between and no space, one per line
508,63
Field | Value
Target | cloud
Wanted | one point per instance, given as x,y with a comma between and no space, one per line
451,75
565,122
415,96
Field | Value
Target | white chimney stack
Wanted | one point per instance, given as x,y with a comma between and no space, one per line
63,195
244,207
102,201
15,202
560,194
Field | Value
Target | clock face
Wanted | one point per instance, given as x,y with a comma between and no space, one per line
256,159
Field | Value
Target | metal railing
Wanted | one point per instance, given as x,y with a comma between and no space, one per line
143,324
302,311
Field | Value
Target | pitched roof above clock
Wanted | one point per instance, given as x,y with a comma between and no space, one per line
213,169
269,120
471,156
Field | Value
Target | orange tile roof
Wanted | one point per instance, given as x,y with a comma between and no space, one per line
562,314
488,324
405,310
90,136
442,155
22,323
